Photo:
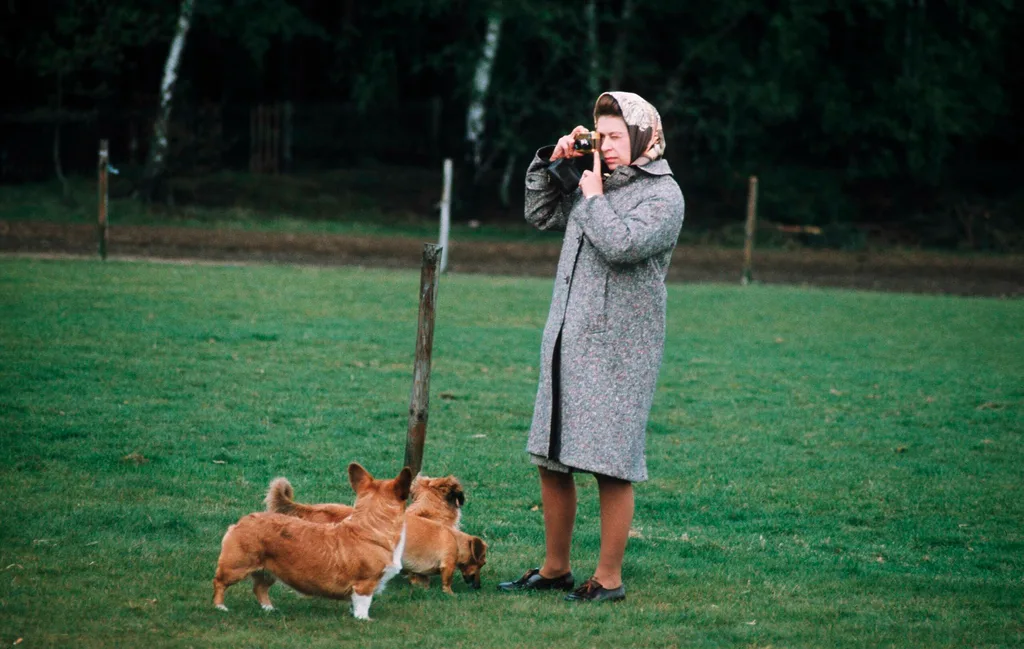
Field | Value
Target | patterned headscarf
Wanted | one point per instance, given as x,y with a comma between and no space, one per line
646,137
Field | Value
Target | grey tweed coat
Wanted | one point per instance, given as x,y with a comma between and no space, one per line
608,310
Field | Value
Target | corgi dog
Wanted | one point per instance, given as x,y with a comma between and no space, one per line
353,558
439,499
434,545
435,549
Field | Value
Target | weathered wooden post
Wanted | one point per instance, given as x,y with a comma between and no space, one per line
748,246
286,137
101,230
420,401
253,135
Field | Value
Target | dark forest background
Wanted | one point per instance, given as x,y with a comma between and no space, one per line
899,115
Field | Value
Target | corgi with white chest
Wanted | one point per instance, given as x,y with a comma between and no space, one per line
351,559
434,543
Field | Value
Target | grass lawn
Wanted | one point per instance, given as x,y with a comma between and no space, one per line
829,468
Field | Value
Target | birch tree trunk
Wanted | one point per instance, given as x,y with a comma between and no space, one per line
594,71
619,54
157,160
476,116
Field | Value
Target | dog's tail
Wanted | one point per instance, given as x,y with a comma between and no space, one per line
280,497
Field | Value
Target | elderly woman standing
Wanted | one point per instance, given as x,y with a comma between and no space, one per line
605,333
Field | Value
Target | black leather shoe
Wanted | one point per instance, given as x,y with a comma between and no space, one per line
592,591
533,581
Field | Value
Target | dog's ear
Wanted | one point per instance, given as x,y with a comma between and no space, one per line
358,477
402,483
478,549
456,498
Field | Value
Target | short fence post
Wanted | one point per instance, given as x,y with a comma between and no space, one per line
446,212
274,137
748,246
101,230
266,139
253,131
420,402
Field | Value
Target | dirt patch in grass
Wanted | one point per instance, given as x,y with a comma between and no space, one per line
903,271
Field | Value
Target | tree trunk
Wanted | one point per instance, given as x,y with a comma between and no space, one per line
504,191
476,116
157,160
619,54
594,71
57,166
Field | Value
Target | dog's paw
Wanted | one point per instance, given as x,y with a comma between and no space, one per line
267,607
221,607
361,606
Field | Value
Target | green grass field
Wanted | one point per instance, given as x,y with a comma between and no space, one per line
829,468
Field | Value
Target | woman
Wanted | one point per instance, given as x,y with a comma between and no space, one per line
605,333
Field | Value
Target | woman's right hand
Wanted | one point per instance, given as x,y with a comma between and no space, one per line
564,148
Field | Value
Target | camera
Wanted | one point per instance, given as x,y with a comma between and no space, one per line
566,172
586,142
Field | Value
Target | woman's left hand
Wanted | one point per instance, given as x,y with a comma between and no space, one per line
591,183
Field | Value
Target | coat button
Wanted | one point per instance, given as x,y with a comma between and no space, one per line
567,278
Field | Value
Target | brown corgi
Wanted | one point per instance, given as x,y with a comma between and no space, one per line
351,559
435,549
433,545
439,499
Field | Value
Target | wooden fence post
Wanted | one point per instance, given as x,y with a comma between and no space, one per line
420,401
101,230
286,137
748,246
266,140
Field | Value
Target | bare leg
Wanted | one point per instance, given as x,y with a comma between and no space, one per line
558,493
616,517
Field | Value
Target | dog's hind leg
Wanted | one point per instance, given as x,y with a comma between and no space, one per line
261,583
233,565
224,579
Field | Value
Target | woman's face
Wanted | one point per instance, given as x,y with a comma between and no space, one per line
614,141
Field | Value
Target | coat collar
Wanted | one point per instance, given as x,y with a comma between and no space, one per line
622,175
659,167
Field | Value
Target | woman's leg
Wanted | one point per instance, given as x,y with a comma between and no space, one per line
558,494
616,517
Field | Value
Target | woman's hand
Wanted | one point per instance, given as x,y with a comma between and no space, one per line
564,148
591,183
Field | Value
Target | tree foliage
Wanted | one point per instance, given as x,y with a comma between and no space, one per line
826,95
